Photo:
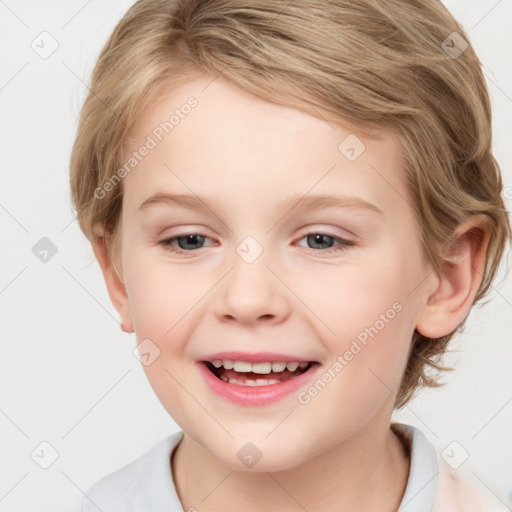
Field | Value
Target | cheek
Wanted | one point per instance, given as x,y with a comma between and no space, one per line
352,299
162,299
363,375
161,295
370,320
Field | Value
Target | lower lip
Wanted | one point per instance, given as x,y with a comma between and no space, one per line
255,395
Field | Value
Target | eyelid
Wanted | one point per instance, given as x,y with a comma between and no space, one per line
342,243
180,230
326,229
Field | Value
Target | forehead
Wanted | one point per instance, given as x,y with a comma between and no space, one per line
232,140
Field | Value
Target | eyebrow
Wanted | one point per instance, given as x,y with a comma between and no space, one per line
294,203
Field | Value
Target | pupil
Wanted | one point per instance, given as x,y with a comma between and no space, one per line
190,239
317,239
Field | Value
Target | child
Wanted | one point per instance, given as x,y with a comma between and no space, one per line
332,160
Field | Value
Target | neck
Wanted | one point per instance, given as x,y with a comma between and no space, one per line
368,471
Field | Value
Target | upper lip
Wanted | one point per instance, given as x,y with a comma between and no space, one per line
255,357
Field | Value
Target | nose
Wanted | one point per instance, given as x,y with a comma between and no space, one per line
252,294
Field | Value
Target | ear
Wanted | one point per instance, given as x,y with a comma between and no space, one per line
458,280
115,286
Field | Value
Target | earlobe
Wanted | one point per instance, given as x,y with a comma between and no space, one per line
458,280
115,285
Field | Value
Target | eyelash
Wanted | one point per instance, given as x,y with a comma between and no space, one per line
343,243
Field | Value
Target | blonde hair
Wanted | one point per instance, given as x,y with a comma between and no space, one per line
366,64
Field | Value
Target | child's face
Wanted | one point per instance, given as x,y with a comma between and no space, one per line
304,296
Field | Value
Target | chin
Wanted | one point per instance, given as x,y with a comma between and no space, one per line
258,456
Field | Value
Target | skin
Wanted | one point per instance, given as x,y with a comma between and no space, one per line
243,156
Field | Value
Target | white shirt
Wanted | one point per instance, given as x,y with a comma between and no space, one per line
146,484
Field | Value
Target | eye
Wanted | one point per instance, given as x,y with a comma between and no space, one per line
190,242
323,239
186,243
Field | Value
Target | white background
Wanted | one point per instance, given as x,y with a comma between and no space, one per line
68,374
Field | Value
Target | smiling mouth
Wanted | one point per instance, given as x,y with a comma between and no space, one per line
244,373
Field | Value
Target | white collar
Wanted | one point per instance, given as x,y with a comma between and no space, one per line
421,491
146,484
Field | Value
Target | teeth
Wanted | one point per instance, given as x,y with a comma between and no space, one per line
242,366
252,383
260,368
278,367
